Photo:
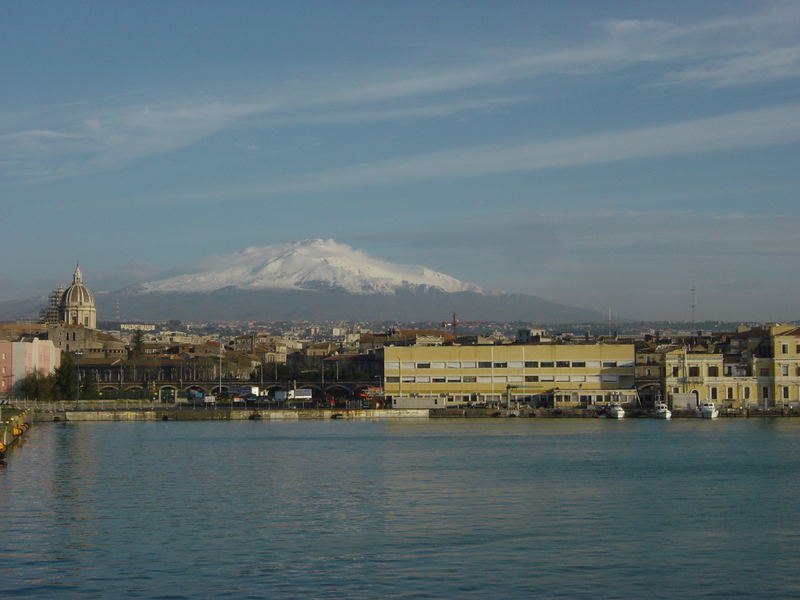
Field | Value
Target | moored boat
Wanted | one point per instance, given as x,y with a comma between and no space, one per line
707,410
663,411
615,411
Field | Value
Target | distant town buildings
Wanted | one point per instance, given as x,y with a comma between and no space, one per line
756,366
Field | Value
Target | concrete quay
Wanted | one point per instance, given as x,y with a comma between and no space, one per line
224,414
13,425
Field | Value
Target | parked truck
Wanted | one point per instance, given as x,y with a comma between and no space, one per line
303,395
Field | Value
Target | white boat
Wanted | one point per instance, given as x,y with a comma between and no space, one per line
663,411
615,411
707,410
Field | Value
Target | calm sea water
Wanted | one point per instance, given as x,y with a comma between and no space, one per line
479,508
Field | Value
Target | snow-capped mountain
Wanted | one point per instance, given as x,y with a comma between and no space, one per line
308,265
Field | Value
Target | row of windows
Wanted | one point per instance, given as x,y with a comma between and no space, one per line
785,348
503,379
729,392
511,364
713,371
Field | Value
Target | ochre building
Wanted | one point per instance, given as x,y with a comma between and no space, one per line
552,374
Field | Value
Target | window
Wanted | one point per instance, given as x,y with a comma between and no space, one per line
610,378
765,392
578,364
437,365
468,364
730,393
500,379
531,378
578,378
562,364
674,371
391,366
674,390
713,393
547,364
784,348
515,364
593,364
453,365
694,371
546,378
407,379
482,364
713,371
453,379
531,364
484,379
407,365
562,377
423,365
437,379
423,379
469,379
392,380
747,393
515,379
624,363
609,363
500,365
785,370
647,372
786,392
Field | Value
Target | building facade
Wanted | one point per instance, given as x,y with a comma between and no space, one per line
557,375
22,358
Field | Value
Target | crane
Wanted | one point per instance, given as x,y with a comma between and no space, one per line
455,323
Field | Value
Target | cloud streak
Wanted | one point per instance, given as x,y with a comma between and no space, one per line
730,132
747,49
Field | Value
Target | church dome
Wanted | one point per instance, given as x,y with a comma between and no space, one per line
77,304
77,294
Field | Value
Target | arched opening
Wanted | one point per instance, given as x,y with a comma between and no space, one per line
108,392
167,394
337,395
134,392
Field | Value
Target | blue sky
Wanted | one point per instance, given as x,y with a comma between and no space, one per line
610,155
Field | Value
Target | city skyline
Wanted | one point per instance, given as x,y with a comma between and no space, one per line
610,156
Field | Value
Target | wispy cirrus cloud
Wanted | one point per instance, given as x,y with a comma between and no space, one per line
745,129
744,49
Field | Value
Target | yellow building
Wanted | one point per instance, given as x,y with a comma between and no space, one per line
785,367
764,371
553,374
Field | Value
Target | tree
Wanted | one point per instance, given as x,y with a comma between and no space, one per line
89,386
36,386
137,343
65,384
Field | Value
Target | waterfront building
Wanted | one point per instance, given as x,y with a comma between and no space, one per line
753,367
558,375
25,357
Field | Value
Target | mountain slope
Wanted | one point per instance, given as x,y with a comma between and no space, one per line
307,265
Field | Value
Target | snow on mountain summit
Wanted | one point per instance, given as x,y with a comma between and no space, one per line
307,264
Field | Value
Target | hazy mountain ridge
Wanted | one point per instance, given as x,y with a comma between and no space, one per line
314,280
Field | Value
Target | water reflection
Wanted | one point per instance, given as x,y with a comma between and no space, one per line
461,508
